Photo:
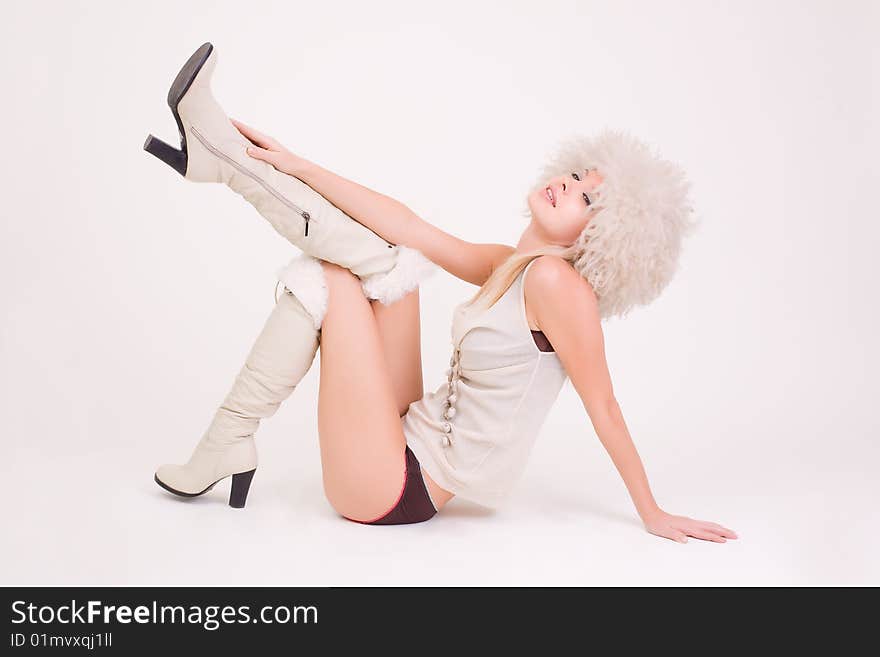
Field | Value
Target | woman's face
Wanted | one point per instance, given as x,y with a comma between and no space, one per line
561,219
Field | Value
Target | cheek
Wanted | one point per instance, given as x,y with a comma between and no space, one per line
569,230
541,208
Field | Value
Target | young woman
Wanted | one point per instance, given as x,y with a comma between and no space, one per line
605,224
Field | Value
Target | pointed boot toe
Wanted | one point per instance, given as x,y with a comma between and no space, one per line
175,479
212,461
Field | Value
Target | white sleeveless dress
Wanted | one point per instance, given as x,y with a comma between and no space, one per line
474,433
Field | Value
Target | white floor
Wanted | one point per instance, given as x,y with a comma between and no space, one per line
96,517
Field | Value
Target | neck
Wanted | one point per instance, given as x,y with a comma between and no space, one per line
532,239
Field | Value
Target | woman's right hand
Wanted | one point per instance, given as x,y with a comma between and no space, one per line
678,528
269,150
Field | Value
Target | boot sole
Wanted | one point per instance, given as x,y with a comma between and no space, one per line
180,492
177,158
184,81
241,482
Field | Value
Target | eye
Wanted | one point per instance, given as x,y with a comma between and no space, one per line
576,177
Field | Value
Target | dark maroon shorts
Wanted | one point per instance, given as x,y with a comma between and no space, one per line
414,503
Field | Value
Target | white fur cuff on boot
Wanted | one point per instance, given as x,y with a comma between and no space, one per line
408,272
304,277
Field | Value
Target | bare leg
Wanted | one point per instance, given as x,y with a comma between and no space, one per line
361,439
399,327
400,334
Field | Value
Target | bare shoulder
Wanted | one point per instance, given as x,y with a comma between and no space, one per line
552,285
567,310
551,269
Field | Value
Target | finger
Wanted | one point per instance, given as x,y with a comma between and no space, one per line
252,139
262,154
707,535
724,531
681,537
252,134
717,532
244,128
704,526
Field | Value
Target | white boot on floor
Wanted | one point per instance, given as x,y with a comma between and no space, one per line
279,359
213,150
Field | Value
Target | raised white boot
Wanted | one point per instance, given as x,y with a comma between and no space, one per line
279,359
213,150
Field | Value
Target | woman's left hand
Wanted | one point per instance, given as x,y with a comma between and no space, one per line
678,528
268,149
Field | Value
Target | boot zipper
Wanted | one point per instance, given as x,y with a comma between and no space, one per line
305,215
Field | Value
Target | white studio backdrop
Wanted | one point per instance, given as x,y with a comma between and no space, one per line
130,296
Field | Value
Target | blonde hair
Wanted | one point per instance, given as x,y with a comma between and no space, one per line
629,250
503,276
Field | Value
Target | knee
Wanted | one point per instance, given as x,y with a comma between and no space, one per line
332,269
338,277
335,498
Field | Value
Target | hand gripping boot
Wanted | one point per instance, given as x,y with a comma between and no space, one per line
213,150
280,357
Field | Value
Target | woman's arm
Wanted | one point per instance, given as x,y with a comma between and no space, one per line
567,311
396,223
385,216
608,422
570,320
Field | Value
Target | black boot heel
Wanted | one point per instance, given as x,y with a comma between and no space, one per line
171,156
241,483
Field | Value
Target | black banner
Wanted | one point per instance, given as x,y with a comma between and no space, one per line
135,620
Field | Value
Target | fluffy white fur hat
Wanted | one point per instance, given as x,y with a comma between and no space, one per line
629,250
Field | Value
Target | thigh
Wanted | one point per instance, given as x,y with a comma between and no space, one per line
400,330
400,333
361,436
